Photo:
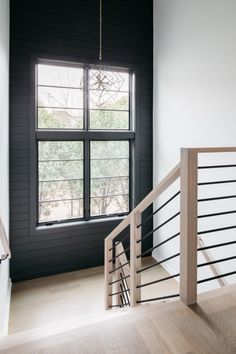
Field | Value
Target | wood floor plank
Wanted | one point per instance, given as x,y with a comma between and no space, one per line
70,296
164,328
152,337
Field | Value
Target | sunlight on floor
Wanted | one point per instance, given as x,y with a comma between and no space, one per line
69,296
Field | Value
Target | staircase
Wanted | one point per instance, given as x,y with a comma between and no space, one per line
201,221
125,245
165,328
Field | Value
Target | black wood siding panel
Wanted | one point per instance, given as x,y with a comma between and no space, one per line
66,29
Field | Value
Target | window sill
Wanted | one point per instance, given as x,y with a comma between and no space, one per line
75,225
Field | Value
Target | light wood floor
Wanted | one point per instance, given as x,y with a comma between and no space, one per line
207,328
71,296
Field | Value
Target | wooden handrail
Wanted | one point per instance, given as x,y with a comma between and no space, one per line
4,242
205,150
148,200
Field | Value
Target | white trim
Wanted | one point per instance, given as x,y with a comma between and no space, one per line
4,330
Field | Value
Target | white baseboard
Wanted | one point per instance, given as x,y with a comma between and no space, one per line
7,311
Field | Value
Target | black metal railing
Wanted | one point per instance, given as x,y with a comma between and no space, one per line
218,229
120,256
120,279
158,209
201,232
158,245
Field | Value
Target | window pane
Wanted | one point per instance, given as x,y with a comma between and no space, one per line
60,150
111,80
60,180
60,97
60,190
101,119
53,75
108,99
60,118
109,177
120,185
109,168
109,149
109,205
60,210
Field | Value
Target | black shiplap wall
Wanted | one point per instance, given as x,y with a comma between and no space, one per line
64,30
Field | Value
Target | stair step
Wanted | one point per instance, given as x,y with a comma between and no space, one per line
38,333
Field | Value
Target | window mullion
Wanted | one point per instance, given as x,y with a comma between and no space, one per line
86,180
86,101
86,151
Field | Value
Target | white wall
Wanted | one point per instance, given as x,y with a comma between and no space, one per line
4,156
195,99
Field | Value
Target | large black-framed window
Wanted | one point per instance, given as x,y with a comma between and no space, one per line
84,143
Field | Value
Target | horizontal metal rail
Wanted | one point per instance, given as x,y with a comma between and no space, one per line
123,304
217,182
158,227
158,245
217,230
121,266
217,245
160,262
216,198
123,239
119,292
159,298
216,277
160,208
216,261
120,254
118,280
217,214
158,280
215,166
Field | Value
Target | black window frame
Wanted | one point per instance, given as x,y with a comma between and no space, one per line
86,135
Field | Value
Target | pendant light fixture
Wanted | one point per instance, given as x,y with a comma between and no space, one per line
105,83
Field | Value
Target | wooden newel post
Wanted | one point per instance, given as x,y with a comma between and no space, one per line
135,263
188,226
108,276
